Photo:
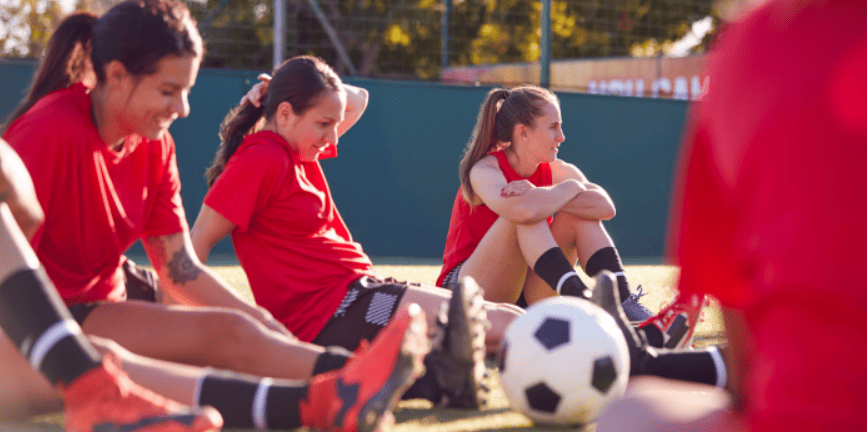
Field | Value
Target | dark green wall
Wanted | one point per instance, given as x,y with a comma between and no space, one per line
396,177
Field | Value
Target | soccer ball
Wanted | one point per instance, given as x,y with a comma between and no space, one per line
563,362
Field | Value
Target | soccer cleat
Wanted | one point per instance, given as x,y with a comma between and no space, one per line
676,322
105,400
607,296
360,396
457,359
634,310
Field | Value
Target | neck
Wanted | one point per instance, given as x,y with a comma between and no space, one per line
108,130
524,166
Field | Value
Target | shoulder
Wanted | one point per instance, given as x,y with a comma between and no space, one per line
485,164
262,152
562,170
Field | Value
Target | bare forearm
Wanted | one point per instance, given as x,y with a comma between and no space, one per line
540,203
592,204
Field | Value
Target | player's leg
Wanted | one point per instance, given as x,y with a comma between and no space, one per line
38,324
501,262
24,392
202,336
375,377
655,404
706,365
497,264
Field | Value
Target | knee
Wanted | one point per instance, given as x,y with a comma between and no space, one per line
233,338
501,315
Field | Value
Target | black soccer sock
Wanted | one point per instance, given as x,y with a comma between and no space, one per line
251,402
701,365
607,258
333,358
37,321
555,269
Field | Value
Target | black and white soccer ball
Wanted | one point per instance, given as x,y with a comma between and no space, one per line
563,362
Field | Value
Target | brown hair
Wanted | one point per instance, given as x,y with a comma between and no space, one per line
137,33
501,111
299,81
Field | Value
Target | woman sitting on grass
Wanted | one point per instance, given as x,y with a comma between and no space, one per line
268,191
534,215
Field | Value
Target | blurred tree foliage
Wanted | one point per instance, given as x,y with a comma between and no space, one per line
401,39
26,26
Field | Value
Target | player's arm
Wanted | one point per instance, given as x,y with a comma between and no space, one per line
187,280
16,190
356,101
593,204
210,228
532,205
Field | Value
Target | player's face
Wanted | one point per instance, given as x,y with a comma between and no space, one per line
545,136
310,133
156,100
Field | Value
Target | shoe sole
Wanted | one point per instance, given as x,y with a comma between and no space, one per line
407,368
465,307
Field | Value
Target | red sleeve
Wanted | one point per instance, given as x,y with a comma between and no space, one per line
702,228
167,216
247,183
47,154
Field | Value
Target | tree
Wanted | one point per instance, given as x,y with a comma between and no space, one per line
27,25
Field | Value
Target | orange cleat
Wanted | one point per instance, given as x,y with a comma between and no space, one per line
106,400
360,396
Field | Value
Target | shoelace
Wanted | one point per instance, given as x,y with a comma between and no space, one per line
632,301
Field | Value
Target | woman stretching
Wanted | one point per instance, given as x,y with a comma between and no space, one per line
103,168
534,215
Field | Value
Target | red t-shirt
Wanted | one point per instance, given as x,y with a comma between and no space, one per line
772,215
97,201
291,241
468,225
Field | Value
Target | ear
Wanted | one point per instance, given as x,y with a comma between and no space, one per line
520,130
285,113
115,74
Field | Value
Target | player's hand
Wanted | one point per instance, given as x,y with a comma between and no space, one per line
254,96
516,188
16,189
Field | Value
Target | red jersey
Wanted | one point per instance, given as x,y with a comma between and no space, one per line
468,225
772,217
97,201
291,241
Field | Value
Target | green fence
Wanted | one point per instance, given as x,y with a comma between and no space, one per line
397,174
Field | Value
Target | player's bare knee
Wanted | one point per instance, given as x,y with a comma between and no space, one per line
233,337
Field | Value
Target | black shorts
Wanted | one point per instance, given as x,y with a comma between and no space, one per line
366,309
451,279
141,284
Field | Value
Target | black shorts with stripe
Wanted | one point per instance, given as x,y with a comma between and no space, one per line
367,308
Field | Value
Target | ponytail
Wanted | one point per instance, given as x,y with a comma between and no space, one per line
483,139
501,111
64,62
237,124
299,81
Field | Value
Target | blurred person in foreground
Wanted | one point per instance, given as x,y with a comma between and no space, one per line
769,218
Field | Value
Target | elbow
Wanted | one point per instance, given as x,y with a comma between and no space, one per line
608,212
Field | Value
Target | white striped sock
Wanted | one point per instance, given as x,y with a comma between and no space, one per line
260,400
563,279
719,363
49,338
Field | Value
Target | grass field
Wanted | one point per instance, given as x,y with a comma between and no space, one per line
418,415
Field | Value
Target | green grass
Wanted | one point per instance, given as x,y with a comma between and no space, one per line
417,415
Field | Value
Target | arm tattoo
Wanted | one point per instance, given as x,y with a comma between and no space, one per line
182,269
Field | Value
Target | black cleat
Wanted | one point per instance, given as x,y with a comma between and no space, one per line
457,359
606,296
